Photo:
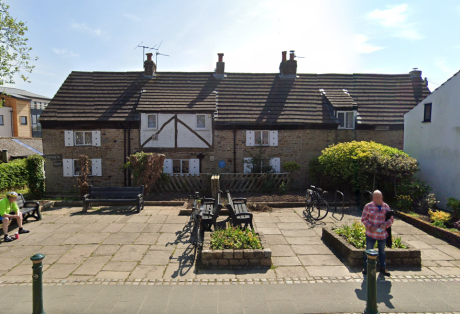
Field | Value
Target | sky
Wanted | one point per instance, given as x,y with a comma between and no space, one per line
331,36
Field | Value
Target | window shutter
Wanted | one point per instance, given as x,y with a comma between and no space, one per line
96,138
276,164
273,138
247,168
194,166
249,138
167,166
67,166
96,167
68,137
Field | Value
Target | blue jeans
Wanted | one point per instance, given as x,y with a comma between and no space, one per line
381,245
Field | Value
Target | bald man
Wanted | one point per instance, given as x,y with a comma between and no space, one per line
376,228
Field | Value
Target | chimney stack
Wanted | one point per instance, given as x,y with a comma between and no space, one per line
288,68
220,67
149,66
417,83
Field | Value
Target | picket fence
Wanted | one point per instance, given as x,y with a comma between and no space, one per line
233,182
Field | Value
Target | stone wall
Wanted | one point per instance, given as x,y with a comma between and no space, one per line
235,258
110,152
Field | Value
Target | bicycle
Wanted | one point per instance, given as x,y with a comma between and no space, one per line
316,206
195,222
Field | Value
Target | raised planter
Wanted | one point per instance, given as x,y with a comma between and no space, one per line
235,258
444,234
354,256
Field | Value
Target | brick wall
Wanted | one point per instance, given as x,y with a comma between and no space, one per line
293,145
110,152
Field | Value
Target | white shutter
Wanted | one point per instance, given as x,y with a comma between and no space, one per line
67,166
194,166
68,138
96,167
276,164
96,138
249,138
167,166
247,168
273,138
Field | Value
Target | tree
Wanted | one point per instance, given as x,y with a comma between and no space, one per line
14,49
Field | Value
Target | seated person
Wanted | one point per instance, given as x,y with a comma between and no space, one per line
9,210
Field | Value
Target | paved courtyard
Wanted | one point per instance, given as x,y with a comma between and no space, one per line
118,244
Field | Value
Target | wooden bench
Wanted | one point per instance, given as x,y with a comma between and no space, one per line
238,211
210,211
129,194
28,209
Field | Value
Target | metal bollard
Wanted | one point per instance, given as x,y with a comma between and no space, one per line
37,283
371,300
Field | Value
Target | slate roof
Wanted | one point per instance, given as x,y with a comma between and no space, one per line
21,147
20,93
240,98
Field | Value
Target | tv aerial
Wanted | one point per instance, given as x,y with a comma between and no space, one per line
144,48
157,53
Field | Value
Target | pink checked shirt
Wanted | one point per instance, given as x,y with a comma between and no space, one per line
372,216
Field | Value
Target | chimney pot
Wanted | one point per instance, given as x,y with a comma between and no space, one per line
221,57
149,56
283,53
220,67
417,83
291,55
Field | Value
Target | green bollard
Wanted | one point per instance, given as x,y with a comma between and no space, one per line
371,300
37,283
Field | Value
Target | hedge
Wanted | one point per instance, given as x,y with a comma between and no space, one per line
13,174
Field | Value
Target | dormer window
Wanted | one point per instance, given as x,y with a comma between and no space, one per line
346,119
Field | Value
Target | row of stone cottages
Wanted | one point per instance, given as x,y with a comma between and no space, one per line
208,122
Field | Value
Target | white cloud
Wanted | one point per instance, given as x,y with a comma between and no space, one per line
65,52
395,19
84,27
362,45
131,16
442,65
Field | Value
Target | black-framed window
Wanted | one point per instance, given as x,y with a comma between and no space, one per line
427,113
23,120
1,120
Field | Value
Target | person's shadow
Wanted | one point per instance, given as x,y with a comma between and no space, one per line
383,292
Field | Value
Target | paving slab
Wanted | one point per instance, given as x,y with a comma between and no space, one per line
106,250
147,272
435,255
274,239
156,258
92,265
147,238
78,254
86,238
121,238
120,266
292,272
311,249
286,261
60,271
129,253
320,260
329,271
135,227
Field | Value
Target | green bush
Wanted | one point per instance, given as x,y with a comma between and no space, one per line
235,238
13,174
404,203
356,236
36,176
282,188
291,166
363,163
454,205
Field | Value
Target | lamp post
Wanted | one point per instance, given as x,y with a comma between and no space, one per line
371,299
37,283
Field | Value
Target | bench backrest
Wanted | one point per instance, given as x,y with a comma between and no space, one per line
236,207
115,192
20,201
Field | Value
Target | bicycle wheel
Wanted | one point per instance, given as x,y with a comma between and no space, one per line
308,202
319,209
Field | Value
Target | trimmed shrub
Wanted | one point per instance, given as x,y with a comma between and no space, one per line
147,168
13,174
364,163
235,238
35,166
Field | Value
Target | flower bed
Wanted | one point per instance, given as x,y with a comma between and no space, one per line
355,257
453,237
259,257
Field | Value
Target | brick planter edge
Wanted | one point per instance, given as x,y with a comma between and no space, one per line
355,257
235,258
